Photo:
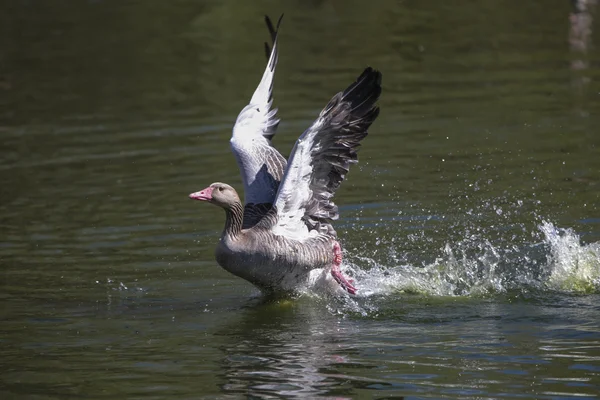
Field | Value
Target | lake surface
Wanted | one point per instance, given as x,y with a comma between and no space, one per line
471,224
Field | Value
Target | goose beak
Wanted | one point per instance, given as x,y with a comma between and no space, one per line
204,194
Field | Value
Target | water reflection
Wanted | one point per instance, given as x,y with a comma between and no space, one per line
288,350
580,40
432,347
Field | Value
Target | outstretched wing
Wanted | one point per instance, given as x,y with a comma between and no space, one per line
261,165
321,158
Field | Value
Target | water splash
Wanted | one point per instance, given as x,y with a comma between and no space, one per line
476,267
572,267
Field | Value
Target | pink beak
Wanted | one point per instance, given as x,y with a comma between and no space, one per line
204,194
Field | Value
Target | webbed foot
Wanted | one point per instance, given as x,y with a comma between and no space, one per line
346,283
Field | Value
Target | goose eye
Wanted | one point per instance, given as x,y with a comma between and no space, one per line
220,189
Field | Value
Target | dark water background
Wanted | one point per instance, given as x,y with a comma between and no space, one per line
471,224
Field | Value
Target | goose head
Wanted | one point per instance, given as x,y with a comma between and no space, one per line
220,194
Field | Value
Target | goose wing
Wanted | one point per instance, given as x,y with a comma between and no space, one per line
321,158
261,165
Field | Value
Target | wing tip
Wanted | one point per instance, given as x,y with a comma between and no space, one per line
362,95
369,78
274,32
270,23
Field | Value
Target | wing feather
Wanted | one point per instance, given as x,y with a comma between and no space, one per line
321,158
261,165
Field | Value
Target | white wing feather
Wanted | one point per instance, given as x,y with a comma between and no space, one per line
295,193
261,165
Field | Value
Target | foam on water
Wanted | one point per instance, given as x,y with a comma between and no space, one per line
560,262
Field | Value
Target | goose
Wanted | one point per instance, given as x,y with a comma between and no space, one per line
283,230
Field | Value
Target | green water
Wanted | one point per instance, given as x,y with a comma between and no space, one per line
471,224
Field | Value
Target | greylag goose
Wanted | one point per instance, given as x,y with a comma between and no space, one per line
283,230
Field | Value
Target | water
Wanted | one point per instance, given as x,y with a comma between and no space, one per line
471,224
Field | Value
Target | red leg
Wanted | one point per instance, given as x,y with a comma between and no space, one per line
344,282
